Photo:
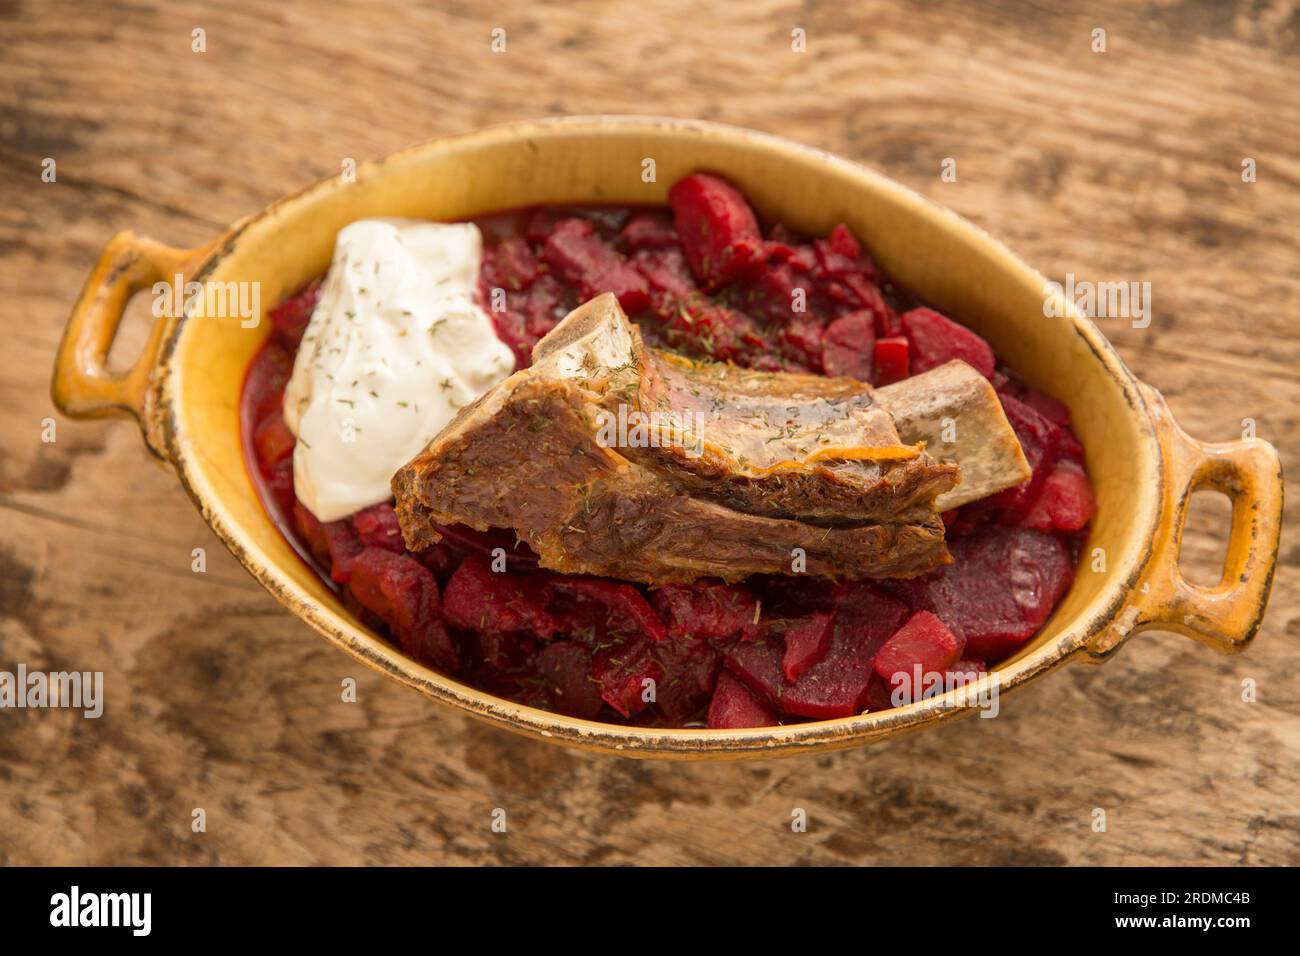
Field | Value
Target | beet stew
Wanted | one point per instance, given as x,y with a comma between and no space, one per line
703,278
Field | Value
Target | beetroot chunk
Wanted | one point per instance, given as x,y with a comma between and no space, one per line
334,544
717,229
498,602
627,613
579,256
848,346
922,642
999,590
806,643
565,667
648,231
1041,441
404,595
936,339
268,376
836,685
621,672
708,610
1064,502
289,319
734,706
273,441
890,360
690,669
511,265
377,526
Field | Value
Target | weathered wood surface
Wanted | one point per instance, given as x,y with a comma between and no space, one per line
1121,165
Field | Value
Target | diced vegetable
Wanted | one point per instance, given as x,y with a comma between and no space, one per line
849,345
890,360
718,230
735,706
925,642
580,256
935,340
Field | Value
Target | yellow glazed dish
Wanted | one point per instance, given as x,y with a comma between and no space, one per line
184,392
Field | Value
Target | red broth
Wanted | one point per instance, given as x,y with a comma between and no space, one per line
705,278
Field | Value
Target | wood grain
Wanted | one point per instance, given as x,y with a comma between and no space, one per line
1117,165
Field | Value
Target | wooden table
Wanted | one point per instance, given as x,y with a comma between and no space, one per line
1117,165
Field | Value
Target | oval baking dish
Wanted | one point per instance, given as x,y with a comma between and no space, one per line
184,392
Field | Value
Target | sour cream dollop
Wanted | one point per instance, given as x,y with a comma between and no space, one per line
395,346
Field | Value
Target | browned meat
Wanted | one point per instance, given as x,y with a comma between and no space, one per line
731,472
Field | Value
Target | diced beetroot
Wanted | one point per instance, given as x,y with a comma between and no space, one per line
890,360
1041,442
511,265
565,666
648,231
836,685
864,608
279,485
713,331
968,665
878,694
403,593
999,590
924,641
541,224
1064,502
848,346
579,256
377,526
842,242
734,706
776,292
936,339
800,338
511,327
666,271
707,610
628,613
482,600
504,652
758,664
621,671
272,440
268,375
717,229
333,544
289,319
864,294
690,668
544,304
1054,411
806,642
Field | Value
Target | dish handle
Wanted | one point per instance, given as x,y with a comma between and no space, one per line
1226,615
83,386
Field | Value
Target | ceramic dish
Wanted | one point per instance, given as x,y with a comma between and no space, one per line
184,392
